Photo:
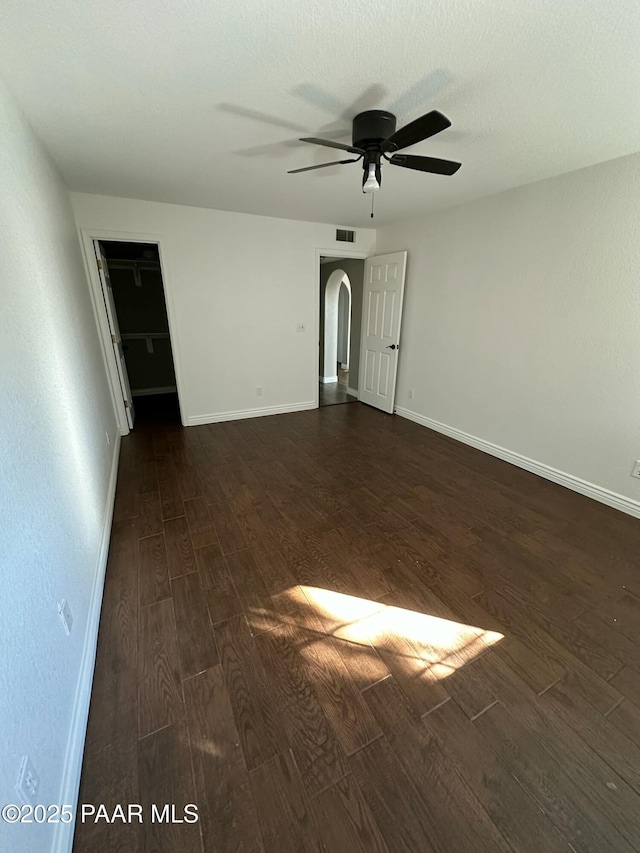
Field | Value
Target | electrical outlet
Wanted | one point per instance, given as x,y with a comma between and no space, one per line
28,783
635,471
300,327
107,436
65,615
259,391
412,393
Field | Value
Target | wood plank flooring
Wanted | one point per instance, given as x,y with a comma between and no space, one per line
338,631
333,393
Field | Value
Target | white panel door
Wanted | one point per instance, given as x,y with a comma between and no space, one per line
381,318
116,339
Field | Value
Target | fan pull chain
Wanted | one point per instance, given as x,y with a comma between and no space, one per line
373,195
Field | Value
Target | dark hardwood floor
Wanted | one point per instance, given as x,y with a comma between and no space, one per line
333,393
338,631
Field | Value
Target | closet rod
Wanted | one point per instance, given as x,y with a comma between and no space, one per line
135,263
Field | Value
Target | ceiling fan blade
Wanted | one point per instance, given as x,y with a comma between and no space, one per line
425,164
330,144
422,128
322,165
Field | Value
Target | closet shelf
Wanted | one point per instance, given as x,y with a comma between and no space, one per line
133,336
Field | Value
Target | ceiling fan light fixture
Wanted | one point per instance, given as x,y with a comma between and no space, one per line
375,137
371,185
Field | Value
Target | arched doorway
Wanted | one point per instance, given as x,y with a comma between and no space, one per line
337,324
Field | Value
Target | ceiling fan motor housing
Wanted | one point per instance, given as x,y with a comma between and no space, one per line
372,127
375,136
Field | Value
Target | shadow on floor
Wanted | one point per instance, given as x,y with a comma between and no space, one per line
157,408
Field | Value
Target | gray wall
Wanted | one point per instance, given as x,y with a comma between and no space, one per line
354,268
344,309
520,323
233,327
55,465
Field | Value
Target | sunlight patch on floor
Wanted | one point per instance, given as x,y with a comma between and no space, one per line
443,645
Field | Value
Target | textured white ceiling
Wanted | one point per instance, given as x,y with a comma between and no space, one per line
201,103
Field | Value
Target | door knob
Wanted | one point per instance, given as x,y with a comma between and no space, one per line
392,346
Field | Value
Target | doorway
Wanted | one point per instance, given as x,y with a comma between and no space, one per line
341,282
134,298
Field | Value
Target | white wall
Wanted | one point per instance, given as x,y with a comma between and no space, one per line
237,286
54,470
522,321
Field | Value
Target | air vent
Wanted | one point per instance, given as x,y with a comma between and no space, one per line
344,236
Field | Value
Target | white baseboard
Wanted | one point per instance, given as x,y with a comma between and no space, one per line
327,379
352,391
569,481
218,417
70,786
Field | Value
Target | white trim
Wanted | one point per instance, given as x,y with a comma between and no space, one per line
87,236
326,380
218,417
104,334
352,391
70,785
569,481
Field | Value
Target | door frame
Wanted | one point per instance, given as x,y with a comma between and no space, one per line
334,253
87,236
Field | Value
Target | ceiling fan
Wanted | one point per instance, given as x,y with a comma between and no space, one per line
375,137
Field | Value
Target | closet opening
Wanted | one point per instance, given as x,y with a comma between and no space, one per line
134,298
